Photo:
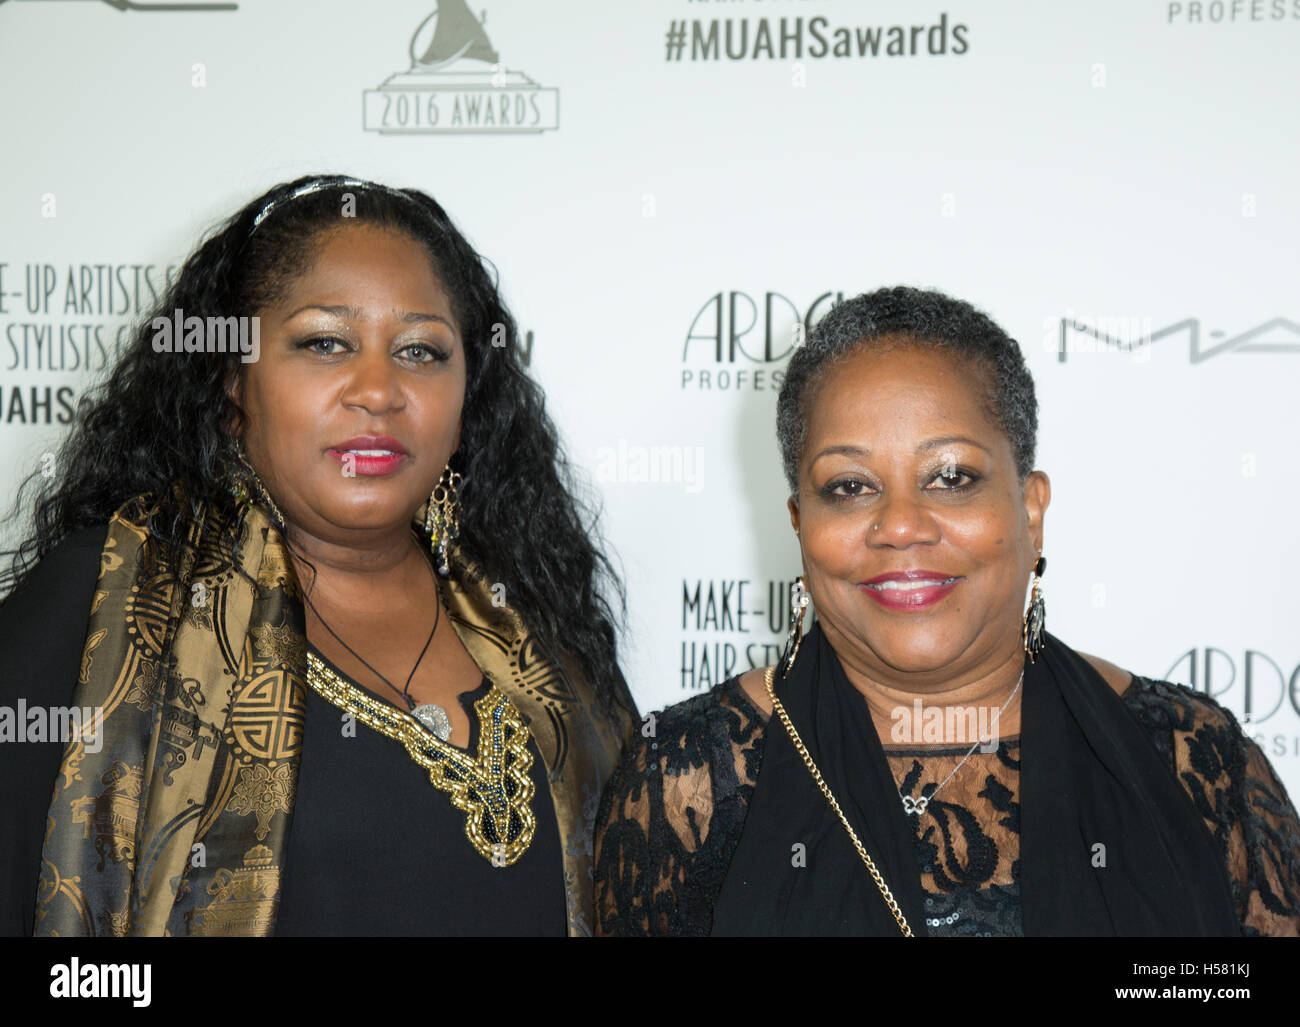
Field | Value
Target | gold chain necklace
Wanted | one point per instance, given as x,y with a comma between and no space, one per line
812,768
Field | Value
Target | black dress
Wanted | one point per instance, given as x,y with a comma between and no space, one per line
373,847
42,633
671,816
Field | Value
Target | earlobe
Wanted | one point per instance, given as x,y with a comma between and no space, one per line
1038,495
1045,485
234,394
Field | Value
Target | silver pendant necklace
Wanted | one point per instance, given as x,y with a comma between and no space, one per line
435,718
915,807
431,715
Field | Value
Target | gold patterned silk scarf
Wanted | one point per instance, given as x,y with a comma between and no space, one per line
172,819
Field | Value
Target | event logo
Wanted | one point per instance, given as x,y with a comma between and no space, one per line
1254,684
796,38
731,625
443,91
72,319
737,341
164,8
1131,334
1229,12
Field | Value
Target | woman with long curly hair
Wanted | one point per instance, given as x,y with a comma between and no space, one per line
311,635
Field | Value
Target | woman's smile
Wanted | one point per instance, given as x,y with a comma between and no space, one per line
910,590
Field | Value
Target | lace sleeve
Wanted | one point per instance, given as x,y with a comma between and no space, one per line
671,815
1271,851
1235,789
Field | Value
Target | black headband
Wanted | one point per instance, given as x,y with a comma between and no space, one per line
317,185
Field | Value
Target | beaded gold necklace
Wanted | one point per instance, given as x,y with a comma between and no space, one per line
493,787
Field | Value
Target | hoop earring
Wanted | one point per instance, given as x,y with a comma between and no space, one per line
1031,633
798,603
442,517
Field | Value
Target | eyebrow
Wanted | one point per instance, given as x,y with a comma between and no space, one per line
412,317
924,447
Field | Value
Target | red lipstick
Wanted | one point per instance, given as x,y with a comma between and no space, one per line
370,455
910,590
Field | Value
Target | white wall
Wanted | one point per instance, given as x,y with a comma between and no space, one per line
1119,160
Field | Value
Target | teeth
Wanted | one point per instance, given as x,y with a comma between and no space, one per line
908,586
370,452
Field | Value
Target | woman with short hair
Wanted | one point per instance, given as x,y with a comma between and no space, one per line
927,759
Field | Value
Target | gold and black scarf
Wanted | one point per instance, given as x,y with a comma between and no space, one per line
176,822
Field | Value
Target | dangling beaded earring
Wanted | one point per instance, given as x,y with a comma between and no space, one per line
1031,635
798,603
442,518
246,486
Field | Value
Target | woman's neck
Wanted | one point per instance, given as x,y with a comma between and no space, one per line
961,710
391,562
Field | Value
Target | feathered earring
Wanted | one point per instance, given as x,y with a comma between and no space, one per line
1031,635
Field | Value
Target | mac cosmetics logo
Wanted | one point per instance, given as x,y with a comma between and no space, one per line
456,83
1134,334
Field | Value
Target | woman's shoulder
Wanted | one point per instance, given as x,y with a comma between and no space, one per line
1168,706
42,633
1238,794
724,717
1190,729
717,733
76,552
1201,738
1119,679
1164,706
55,594
670,816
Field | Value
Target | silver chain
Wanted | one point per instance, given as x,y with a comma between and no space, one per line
918,806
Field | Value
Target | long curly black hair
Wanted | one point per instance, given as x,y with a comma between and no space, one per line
163,427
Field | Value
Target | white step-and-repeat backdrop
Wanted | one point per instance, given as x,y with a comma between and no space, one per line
668,186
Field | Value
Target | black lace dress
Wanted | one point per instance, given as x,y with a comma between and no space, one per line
672,814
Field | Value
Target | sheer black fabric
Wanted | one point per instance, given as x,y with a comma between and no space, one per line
671,816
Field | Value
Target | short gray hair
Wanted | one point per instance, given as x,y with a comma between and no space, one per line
920,318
